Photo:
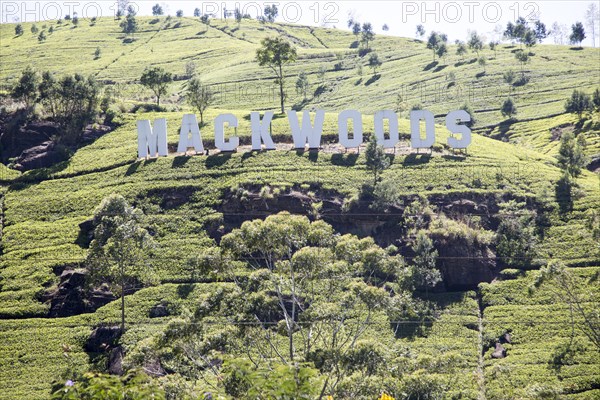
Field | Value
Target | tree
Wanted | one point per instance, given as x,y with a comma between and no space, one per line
433,43
26,89
515,237
577,33
540,31
205,19
592,16
356,29
238,16
275,53
530,38
179,13
579,103
425,274
75,20
18,30
377,161
51,30
134,385
509,77
523,58
34,29
374,62
129,25
157,10
302,84
420,31
385,28
466,107
596,99
442,50
559,32
508,108
482,62
42,36
461,49
368,34
571,154
157,80
322,290
97,53
199,96
72,101
573,291
494,48
119,251
190,69
475,43
271,12
197,12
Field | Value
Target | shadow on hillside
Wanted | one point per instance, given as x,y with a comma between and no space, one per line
576,48
440,68
217,160
344,160
480,75
373,79
299,106
503,129
180,161
416,159
522,81
184,291
431,65
354,45
313,154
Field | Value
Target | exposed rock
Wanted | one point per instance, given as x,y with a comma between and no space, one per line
505,338
17,139
159,310
86,232
115,361
93,132
42,156
464,265
72,298
499,352
103,338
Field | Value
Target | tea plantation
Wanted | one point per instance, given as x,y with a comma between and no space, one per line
190,202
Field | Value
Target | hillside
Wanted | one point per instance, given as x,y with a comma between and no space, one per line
190,202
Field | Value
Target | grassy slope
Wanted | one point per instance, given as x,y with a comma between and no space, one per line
41,219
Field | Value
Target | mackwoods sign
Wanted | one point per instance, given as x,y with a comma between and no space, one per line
152,140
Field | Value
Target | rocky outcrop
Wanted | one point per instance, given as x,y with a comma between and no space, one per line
499,352
115,361
465,265
103,339
72,298
41,156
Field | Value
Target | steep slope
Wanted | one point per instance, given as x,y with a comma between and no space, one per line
183,196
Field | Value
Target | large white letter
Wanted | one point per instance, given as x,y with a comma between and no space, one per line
190,124
260,131
357,128
220,142
392,117
454,128
415,129
307,133
151,141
